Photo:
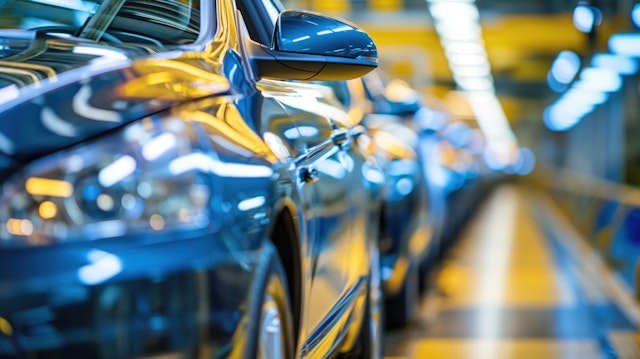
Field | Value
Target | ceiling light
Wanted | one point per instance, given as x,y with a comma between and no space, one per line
565,67
621,64
468,60
585,17
635,14
600,79
625,44
463,47
456,11
471,71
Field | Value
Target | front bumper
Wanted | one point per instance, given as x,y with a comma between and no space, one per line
121,298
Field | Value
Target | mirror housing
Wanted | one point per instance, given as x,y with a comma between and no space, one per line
310,46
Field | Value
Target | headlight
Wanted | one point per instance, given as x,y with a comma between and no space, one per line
118,185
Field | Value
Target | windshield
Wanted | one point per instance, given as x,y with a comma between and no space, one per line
121,21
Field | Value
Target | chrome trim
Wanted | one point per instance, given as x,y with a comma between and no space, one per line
331,319
322,150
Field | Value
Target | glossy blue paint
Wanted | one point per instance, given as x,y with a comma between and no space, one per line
144,171
307,32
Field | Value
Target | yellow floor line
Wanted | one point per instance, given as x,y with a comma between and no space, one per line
508,349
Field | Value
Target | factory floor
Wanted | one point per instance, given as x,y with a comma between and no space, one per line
519,282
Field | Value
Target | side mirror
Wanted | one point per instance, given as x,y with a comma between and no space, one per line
311,33
310,46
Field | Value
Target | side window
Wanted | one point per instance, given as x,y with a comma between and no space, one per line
166,22
274,8
260,17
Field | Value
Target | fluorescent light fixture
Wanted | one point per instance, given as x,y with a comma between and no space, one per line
471,71
563,116
468,60
490,116
556,121
554,84
621,64
456,11
463,47
565,67
584,18
600,79
465,31
582,94
574,108
625,44
571,108
458,26
635,14
475,83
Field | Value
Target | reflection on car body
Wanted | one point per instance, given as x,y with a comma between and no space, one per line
458,169
451,152
405,224
165,192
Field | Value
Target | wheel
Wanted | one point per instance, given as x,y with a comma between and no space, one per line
270,337
369,343
402,308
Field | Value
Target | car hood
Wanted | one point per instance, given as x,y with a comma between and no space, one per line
56,92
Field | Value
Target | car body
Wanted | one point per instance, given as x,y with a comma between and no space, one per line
165,192
463,175
451,150
406,225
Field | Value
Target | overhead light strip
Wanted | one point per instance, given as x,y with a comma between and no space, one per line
457,23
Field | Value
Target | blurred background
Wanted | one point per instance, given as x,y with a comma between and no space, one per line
553,87
541,56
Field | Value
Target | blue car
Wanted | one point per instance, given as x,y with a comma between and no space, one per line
174,187
406,224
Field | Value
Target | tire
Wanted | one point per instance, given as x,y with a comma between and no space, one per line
269,314
369,344
402,308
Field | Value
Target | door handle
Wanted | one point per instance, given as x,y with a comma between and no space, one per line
308,174
339,137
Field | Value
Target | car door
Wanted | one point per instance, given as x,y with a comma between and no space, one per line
324,170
